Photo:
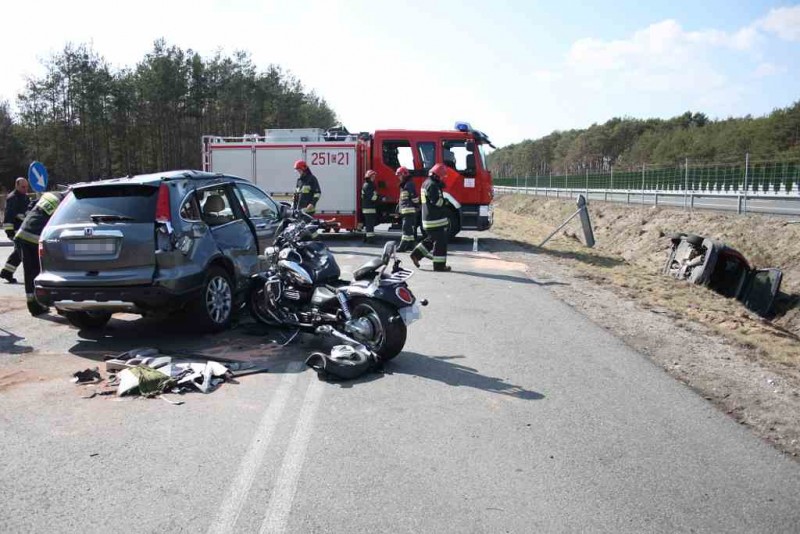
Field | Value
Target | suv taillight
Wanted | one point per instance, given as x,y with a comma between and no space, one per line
162,205
41,250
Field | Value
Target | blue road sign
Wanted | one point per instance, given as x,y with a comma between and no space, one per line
37,177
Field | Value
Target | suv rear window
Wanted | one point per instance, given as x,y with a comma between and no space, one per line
131,203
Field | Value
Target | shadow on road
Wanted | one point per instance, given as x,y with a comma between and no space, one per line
510,278
442,369
8,343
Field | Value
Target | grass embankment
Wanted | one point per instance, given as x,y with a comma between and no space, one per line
631,250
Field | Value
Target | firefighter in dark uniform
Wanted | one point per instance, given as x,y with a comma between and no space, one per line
307,191
27,240
434,221
369,199
17,205
408,207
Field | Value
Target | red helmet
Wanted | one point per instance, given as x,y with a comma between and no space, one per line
402,171
371,174
439,170
300,165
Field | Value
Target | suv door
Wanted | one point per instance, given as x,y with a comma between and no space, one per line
262,211
232,234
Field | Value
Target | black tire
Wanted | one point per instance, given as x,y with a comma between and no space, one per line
695,240
453,224
87,320
213,310
389,330
257,307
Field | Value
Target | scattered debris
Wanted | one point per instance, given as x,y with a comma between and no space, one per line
149,373
87,376
704,261
344,363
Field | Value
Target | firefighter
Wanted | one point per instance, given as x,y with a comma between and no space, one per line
17,205
434,221
27,240
307,191
408,207
369,197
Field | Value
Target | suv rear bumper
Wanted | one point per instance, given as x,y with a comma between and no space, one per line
134,299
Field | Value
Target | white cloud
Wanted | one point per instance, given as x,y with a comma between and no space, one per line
784,22
768,69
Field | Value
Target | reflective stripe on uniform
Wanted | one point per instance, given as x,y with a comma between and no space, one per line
440,259
8,226
27,236
370,234
21,216
440,202
374,197
407,211
316,195
407,238
403,194
430,225
368,210
10,268
30,297
305,189
424,251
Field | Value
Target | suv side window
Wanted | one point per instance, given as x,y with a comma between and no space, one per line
189,209
256,203
215,206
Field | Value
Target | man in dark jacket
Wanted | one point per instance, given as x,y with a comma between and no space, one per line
27,241
408,207
17,205
307,191
369,199
434,221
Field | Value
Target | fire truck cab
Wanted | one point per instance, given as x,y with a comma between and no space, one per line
340,159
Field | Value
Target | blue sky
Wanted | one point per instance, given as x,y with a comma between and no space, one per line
514,69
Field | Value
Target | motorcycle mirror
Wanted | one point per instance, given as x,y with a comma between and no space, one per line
388,251
286,211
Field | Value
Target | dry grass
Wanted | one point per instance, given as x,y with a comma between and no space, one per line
631,249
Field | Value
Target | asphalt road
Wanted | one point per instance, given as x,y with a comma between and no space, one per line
507,412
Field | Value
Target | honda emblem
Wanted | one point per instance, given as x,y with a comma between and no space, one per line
88,232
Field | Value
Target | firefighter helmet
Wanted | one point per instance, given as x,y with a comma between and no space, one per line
300,165
401,171
371,174
439,170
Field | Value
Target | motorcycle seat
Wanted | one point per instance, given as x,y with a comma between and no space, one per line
368,269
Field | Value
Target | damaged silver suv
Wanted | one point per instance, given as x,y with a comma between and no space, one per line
180,240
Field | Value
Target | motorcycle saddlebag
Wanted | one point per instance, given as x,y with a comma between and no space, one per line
343,363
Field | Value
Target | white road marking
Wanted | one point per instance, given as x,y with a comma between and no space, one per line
286,486
237,494
474,244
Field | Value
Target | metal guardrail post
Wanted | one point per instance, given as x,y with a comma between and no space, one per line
746,172
643,167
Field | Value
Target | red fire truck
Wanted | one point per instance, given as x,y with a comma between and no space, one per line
339,160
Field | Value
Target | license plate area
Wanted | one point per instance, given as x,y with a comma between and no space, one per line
412,313
91,248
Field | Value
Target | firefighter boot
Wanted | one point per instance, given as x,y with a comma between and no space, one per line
8,277
415,257
37,309
442,268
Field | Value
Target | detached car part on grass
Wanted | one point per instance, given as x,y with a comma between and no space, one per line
711,263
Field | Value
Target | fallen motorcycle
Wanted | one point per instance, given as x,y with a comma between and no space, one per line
301,287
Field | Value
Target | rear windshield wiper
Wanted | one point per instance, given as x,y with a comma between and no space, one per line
110,218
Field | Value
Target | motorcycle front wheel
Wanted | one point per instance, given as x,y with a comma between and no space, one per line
385,330
257,304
